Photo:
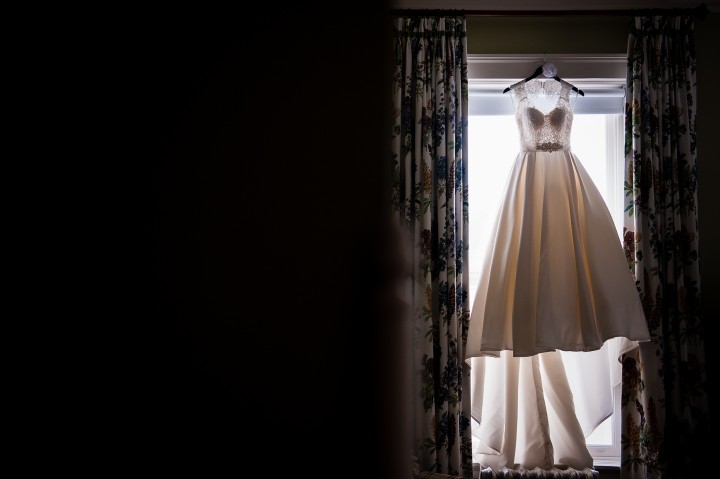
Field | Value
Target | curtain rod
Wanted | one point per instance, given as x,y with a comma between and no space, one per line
699,11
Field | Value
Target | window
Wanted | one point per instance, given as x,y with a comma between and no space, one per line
597,140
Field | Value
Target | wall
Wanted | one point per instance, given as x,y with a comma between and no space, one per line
708,126
547,34
585,34
713,5
268,280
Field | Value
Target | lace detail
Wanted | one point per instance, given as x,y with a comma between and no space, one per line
540,131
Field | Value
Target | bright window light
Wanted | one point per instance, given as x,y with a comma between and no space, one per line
494,143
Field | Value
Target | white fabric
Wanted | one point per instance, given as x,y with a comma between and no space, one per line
523,413
555,275
596,374
554,279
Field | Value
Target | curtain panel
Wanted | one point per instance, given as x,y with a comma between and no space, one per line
664,398
429,192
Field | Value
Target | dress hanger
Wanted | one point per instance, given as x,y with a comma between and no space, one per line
549,70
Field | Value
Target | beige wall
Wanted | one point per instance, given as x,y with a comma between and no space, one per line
532,35
547,34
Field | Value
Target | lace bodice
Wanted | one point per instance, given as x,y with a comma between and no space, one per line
544,115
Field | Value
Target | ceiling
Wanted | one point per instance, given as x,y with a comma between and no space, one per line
713,5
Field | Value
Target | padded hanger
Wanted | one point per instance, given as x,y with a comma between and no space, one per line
539,71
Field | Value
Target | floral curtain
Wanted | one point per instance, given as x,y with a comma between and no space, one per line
430,185
664,398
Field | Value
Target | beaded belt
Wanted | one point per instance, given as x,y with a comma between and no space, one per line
549,146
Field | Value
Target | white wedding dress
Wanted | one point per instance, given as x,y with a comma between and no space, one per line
554,278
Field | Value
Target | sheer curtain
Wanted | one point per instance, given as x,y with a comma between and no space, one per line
664,398
429,150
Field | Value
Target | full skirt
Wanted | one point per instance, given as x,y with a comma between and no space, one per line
555,276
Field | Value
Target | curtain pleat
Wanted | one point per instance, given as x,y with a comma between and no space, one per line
430,200
664,396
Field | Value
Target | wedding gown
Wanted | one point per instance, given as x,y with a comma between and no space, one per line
554,278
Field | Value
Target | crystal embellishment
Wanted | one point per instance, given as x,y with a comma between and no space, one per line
548,146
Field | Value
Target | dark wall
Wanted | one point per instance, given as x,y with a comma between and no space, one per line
268,143
707,38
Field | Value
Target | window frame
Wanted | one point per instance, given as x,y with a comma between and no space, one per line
602,78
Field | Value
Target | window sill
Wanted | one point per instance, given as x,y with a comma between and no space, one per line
608,472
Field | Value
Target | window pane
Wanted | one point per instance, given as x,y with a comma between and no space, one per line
493,147
494,144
